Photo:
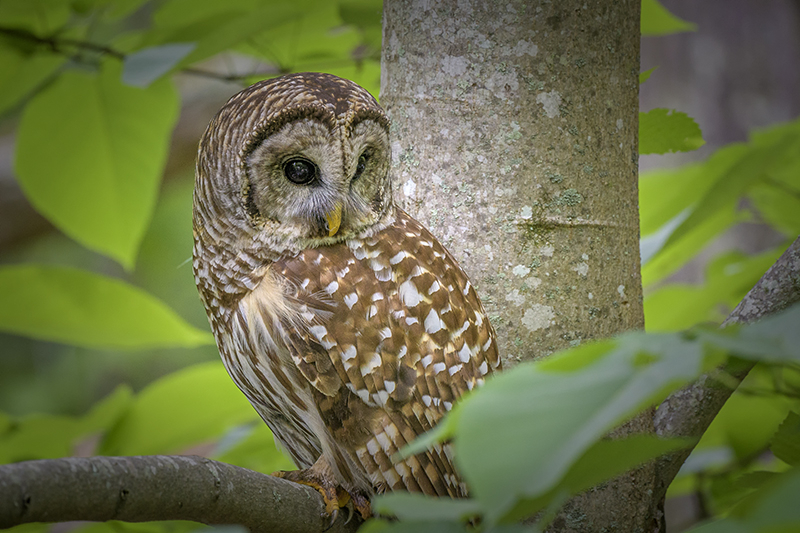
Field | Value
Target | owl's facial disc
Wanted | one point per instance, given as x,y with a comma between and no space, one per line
309,183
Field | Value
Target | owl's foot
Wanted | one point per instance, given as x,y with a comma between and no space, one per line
320,477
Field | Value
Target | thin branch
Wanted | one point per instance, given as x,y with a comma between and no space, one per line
158,487
58,44
689,412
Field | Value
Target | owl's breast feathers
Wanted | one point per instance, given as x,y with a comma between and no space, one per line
387,333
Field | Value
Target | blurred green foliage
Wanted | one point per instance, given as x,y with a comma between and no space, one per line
92,84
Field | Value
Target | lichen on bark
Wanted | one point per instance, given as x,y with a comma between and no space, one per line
514,139
514,130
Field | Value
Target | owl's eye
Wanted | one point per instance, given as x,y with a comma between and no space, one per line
300,171
362,164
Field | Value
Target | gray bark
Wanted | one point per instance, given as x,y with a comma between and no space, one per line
689,412
140,489
514,140
514,132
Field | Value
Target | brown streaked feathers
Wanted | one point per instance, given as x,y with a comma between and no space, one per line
349,345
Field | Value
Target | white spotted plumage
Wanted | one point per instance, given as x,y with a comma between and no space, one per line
347,325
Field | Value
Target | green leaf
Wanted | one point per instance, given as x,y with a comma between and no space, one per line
316,41
252,446
747,422
418,507
76,307
106,412
606,459
733,184
683,209
644,76
361,13
145,66
779,206
786,443
41,436
772,509
677,252
217,26
656,20
668,197
666,193
667,130
729,277
775,338
537,427
171,526
189,407
22,74
40,17
90,152
111,9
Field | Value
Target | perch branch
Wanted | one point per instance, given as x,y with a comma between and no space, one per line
158,487
689,411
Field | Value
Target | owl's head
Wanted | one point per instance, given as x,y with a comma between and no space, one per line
301,160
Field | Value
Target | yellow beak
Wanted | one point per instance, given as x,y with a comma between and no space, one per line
334,219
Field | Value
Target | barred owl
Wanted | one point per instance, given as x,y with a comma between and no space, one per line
347,325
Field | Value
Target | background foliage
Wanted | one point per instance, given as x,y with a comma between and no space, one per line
92,89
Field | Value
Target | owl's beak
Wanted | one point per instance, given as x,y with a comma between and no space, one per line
334,219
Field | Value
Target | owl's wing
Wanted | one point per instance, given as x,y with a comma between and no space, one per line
286,321
406,334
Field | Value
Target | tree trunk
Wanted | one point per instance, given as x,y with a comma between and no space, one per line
514,140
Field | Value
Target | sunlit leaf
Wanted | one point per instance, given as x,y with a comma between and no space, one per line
680,251
779,206
665,130
76,307
733,184
90,152
656,20
644,76
183,409
317,41
666,193
217,26
728,278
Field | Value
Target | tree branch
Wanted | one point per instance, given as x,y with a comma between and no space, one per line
689,412
158,487
57,45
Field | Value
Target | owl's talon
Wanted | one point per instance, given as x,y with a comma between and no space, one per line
332,520
350,513
335,497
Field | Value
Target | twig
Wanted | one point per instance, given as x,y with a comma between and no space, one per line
58,44
689,411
